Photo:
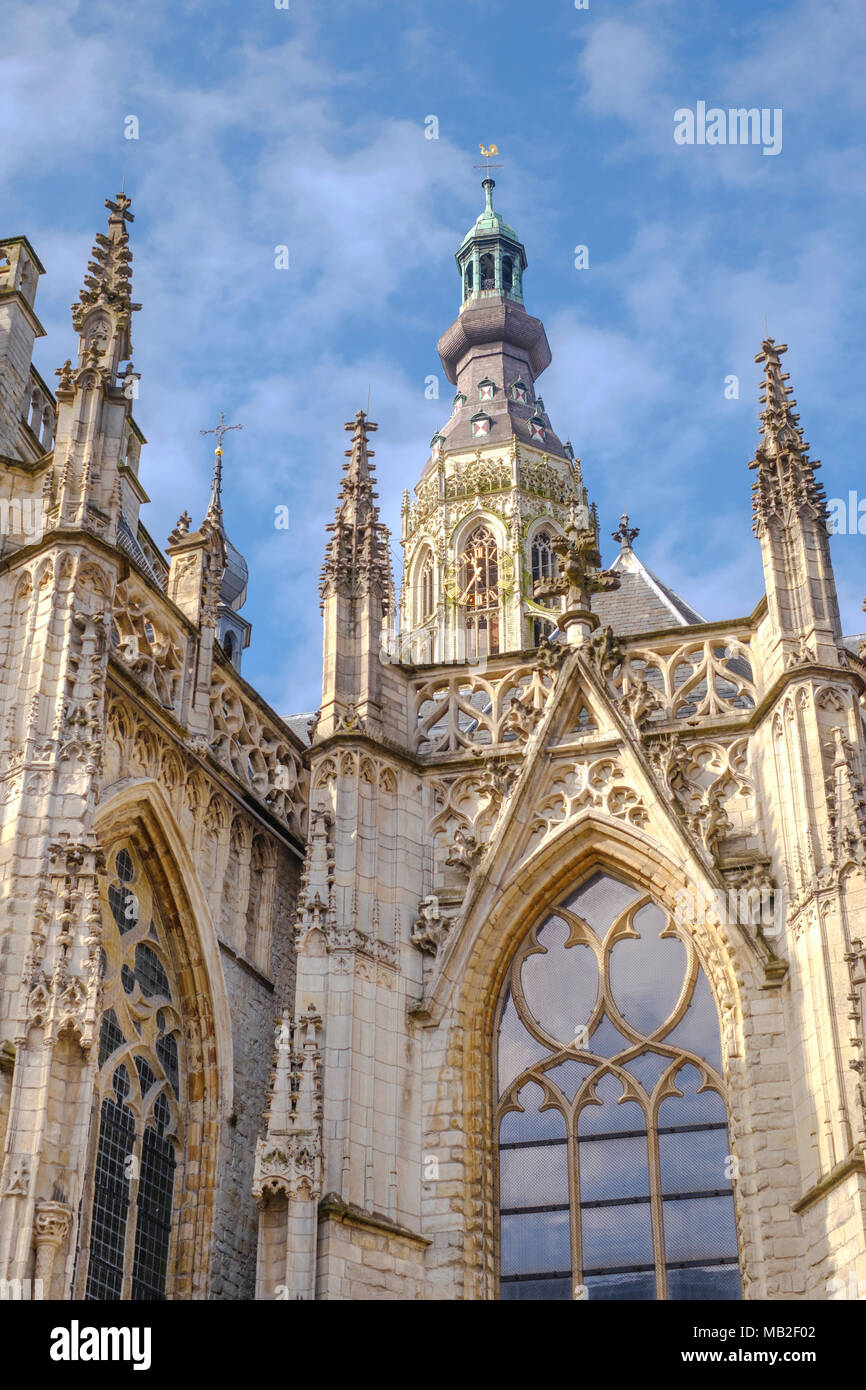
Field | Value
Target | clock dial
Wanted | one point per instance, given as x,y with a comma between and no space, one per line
479,575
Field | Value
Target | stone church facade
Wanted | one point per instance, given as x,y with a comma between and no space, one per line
531,967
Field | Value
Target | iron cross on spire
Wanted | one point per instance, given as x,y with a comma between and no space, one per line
488,151
219,430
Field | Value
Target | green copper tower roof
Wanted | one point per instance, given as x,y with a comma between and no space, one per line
489,223
491,259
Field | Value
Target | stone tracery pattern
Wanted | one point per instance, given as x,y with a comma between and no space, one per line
589,1050
141,1093
693,680
456,712
257,754
147,643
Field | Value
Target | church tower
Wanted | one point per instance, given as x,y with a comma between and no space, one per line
581,866
499,485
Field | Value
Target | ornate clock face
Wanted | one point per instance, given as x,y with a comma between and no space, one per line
480,575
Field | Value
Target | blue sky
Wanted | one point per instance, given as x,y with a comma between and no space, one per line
305,127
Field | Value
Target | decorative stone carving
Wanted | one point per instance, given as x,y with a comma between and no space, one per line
350,722
50,1226
846,805
599,784
579,573
17,1175
148,644
638,701
602,652
465,850
430,927
803,656
702,776
686,681
289,1155
456,712
257,754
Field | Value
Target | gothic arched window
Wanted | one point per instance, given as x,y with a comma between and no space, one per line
543,562
425,588
478,585
543,566
615,1172
140,1100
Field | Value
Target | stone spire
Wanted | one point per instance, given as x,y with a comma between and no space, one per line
108,287
790,520
208,575
97,444
357,597
356,557
786,485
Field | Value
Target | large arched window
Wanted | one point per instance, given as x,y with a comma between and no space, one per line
478,586
615,1174
140,1094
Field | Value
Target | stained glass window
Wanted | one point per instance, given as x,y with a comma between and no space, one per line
614,1160
140,1085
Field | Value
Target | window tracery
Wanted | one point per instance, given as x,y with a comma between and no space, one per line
140,1094
478,592
614,1161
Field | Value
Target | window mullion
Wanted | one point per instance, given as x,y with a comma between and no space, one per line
574,1202
132,1212
656,1207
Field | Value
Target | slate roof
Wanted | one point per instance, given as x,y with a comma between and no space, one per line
299,724
642,603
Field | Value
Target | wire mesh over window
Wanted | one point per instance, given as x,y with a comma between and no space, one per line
111,1193
140,1081
153,1228
614,1163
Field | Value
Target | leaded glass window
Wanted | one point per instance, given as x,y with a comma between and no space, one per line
478,584
614,1168
140,1103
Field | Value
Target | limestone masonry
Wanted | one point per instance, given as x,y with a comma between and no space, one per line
533,966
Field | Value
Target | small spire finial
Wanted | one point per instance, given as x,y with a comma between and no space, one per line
487,183
220,429
625,534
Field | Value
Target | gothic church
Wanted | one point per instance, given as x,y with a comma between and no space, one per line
338,1008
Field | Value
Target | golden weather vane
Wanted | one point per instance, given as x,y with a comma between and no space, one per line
487,152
